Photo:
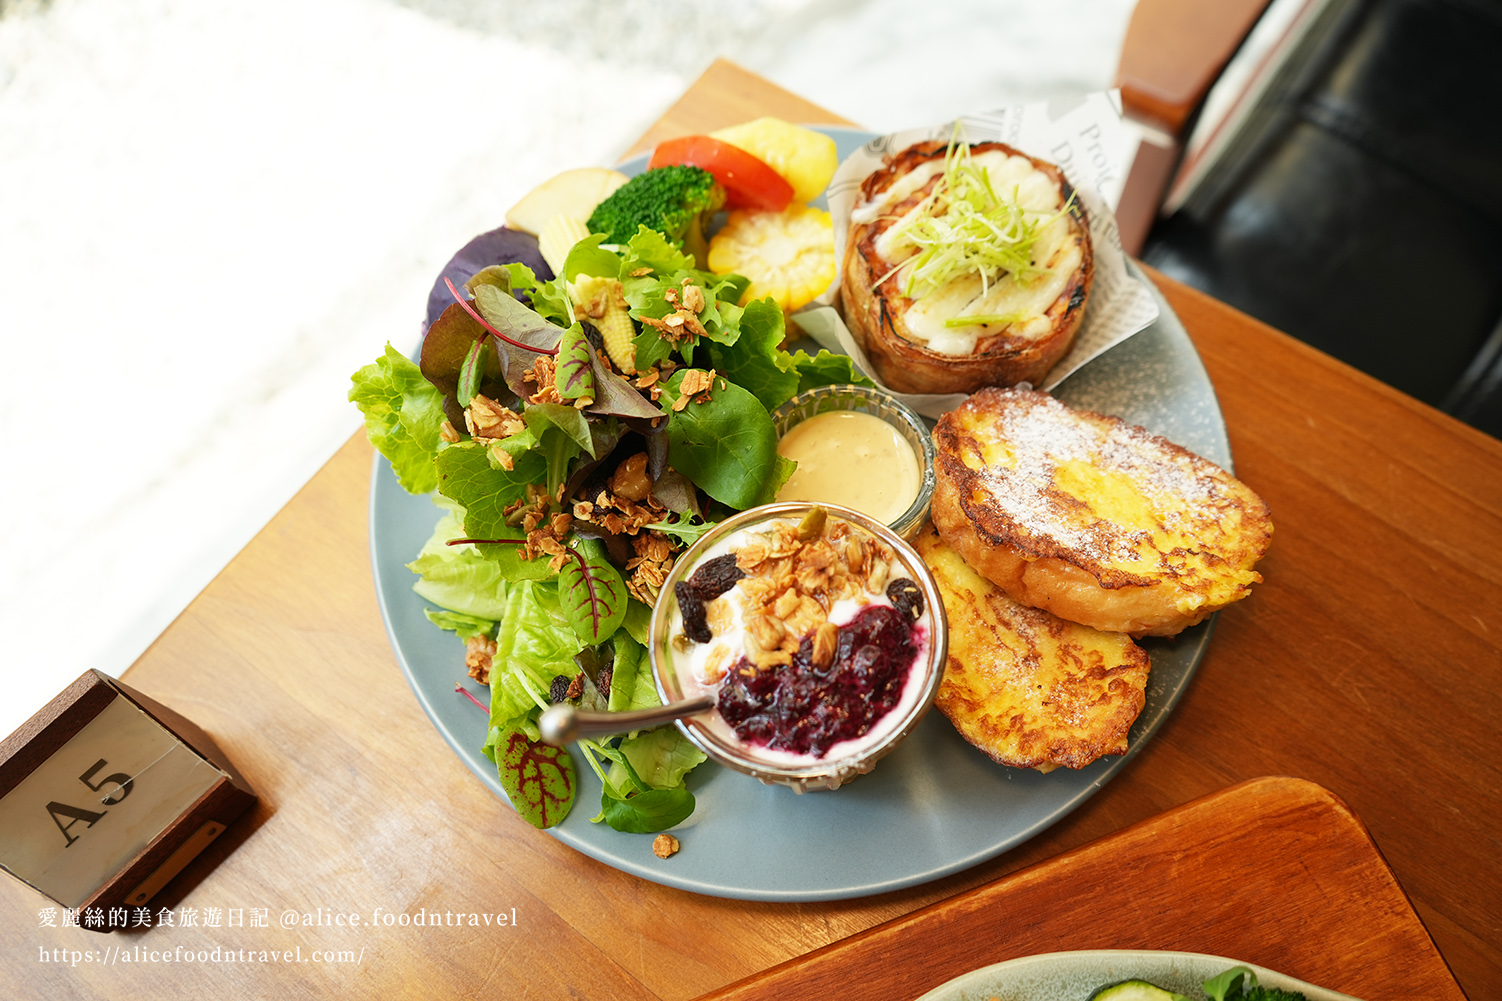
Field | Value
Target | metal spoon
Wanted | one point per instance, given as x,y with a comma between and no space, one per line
562,723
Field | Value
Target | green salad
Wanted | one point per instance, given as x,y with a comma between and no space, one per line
1239,983
567,477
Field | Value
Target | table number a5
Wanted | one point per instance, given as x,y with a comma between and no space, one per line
105,795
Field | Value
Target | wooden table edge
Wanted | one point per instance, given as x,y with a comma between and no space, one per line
1292,792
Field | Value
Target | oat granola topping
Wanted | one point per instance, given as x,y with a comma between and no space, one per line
478,651
696,381
487,419
542,375
795,574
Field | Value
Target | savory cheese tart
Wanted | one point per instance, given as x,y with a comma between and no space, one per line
1097,520
967,265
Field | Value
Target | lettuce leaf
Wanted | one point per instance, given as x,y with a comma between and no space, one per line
534,644
649,267
726,443
650,249
756,361
631,684
645,791
538,779
467,475
462,579
661,757
587,257
466,626
827,369
638,622
591,592
403,417
649,811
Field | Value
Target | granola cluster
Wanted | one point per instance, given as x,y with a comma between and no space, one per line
654,557
488,423
683,322
795,573
695,386
546,530
626,508
479,653
543,375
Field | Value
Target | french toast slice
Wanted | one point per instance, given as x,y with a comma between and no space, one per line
1028,688
1019,325
1096,520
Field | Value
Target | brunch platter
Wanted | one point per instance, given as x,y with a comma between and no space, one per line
935,806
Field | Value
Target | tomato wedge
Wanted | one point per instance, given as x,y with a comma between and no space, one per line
748,182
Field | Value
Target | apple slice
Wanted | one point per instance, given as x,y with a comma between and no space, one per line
573,193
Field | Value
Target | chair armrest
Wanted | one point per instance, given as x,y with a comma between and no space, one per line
1173,52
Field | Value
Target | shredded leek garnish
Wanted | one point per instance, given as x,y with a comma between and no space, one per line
982,320
964,227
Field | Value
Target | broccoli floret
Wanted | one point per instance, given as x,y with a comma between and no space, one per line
676,201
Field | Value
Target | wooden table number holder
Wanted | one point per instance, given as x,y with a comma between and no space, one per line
105,795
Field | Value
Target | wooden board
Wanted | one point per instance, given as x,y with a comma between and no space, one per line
1273,871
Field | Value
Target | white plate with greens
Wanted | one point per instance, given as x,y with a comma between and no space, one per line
934,807
1075,976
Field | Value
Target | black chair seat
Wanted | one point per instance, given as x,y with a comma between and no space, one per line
1362,209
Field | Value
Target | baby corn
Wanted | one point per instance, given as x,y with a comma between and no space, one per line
603,302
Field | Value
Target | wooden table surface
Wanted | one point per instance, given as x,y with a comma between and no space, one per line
1370,662
1283,850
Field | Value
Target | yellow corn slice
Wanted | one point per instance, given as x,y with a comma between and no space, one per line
557,237
788,255
602,301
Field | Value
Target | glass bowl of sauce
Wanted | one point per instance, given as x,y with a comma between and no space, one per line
817,629
859,448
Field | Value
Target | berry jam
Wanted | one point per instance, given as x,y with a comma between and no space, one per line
807,710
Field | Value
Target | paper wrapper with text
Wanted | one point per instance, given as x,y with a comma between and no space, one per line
1088,140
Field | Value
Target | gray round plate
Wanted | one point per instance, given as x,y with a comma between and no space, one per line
1074,976
933,807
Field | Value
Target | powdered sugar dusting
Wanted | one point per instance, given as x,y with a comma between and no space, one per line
1183,494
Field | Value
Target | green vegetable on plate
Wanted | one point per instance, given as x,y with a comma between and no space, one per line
519,428
1236,984
676,201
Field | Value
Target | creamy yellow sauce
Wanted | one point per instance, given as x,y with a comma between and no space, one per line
854,459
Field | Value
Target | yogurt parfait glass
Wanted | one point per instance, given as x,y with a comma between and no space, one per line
850,736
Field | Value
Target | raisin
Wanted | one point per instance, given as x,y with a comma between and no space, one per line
695,626
558,690
607,674
906,597
713,578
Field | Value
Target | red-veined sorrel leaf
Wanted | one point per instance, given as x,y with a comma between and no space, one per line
574,375
592,592
470,372
538,779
